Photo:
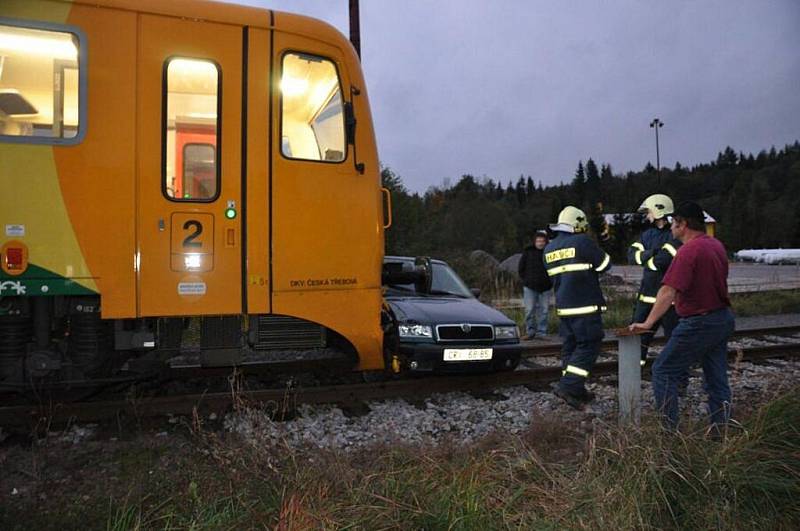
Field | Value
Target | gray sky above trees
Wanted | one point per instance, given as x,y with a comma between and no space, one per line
503,88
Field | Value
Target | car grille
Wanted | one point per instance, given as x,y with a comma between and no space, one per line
458,333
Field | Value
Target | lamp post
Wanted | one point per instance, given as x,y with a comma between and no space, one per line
656,124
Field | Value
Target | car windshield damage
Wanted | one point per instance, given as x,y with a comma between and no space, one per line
445,282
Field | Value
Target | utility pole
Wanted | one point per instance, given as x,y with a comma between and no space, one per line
355,27
655,124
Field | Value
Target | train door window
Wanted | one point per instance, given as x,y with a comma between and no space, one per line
42,84
312,113
191,130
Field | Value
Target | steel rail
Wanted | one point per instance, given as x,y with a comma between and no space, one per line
553,349
286,399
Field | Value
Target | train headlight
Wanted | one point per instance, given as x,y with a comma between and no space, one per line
415,330
506,332
192,261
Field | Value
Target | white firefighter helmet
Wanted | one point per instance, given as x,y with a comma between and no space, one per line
659,205
571,219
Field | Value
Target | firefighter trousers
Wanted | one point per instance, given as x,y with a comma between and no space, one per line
581,338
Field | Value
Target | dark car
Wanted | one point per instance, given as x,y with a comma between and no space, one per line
444,328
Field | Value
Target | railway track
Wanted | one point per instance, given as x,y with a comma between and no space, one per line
345,395
532,349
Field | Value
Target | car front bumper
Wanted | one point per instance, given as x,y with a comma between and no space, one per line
429,357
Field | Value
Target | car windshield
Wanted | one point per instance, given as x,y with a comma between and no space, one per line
445,281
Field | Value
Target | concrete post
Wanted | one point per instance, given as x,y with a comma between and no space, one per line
630,376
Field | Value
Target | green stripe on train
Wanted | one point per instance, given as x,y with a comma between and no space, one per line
39,281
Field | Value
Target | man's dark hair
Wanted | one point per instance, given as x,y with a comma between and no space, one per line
541,234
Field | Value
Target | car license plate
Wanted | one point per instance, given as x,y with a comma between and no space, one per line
467,354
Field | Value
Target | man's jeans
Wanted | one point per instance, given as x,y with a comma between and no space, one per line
700,339
536,307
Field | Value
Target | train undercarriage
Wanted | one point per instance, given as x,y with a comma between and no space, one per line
64,341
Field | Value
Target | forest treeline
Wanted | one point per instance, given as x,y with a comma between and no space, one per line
754,198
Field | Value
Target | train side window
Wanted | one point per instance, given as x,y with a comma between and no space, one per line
191,129
42,83
312,113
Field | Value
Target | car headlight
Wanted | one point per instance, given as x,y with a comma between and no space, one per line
505,332
415,330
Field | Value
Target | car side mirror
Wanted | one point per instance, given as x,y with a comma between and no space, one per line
476,292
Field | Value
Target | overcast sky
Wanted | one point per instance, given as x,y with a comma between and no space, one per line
503,88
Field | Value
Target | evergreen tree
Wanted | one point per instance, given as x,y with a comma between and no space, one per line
466,186
606,176
531,188
727,158
592,183
392,181
579,184
520,191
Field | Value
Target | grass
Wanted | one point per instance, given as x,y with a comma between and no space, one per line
619,313
620,307
549,478
766,302
750,480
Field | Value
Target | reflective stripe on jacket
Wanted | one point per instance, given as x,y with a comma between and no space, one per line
574,262
653,252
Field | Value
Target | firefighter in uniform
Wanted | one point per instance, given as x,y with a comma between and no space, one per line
654,252
573,262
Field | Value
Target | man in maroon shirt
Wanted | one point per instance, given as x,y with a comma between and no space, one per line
696,282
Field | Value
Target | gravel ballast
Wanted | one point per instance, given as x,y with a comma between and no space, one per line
463,418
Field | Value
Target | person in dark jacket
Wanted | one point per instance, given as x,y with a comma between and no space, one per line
536,286
653,253
574,262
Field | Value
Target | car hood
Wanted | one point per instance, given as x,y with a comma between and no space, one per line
442,310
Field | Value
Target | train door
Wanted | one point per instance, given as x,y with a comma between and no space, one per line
189,167
326,226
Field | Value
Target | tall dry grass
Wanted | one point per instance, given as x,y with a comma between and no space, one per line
552,477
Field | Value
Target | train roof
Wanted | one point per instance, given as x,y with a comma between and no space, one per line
227,13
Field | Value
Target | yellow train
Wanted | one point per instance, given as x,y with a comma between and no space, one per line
182,172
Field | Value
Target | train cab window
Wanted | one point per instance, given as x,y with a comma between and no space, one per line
312,113
191,130
41,95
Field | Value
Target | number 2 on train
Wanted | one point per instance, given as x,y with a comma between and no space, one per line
189,241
